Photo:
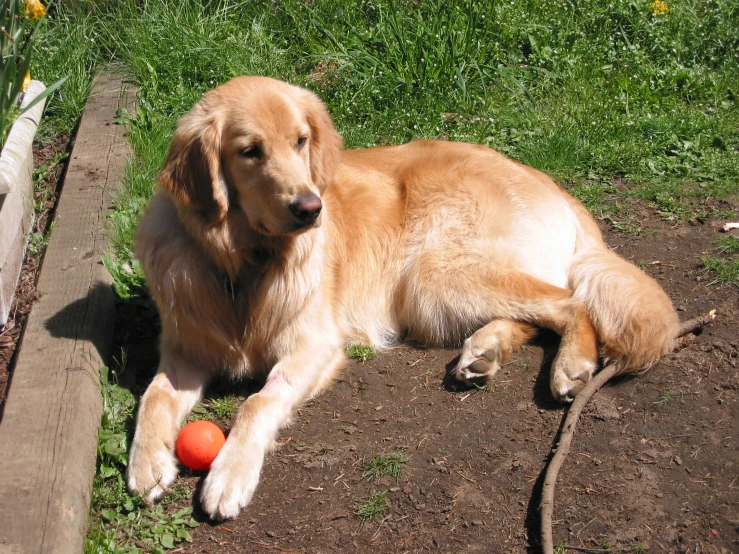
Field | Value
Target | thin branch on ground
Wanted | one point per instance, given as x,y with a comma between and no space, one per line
594,550
568,430
695,323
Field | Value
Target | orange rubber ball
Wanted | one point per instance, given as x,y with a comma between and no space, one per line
198,444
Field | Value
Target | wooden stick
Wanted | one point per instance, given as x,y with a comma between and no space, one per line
695,323
546,505
592,550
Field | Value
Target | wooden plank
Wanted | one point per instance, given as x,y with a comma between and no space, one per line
48,432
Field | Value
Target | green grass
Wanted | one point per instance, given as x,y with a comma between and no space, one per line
589,93
728,245
66,44
724,269
122,523
382,466
373,507
360,352
667,397
722,272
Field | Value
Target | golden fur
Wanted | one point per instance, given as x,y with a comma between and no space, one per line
434,241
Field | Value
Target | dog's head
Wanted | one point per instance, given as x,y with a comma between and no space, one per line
258,145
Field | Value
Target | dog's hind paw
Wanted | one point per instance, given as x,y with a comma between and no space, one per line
487,349
476,365
569,390
566,388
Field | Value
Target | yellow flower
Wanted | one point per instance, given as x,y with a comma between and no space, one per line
26,81
34,9
659,7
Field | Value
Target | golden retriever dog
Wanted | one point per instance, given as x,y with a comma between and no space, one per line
267,249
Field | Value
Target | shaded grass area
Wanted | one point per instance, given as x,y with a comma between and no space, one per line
123,523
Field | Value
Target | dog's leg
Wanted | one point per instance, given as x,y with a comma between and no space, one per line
234,475
152,466
489,347
517,296
577,358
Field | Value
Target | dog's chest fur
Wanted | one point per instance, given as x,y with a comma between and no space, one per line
266,303
242,323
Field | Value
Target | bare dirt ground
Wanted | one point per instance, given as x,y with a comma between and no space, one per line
654,465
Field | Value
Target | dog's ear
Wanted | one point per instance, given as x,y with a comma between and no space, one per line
192,172
325,142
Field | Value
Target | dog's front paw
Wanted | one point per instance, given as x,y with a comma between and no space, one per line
152,468
231,481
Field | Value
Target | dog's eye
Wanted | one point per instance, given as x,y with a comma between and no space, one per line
301,142
252,152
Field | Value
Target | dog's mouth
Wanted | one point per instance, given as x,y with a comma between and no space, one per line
262,228
296,229
304,227
301,227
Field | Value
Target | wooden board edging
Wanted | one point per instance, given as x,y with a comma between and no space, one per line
48,431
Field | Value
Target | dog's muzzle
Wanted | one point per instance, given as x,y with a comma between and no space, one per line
306,209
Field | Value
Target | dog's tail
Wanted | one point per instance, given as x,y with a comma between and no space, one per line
635,320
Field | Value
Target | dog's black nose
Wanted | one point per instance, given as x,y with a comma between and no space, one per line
306,209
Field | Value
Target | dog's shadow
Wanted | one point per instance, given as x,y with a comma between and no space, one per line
198,513
548,341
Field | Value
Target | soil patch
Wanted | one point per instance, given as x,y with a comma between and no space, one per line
50,162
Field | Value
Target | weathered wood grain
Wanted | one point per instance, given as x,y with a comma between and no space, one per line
48,432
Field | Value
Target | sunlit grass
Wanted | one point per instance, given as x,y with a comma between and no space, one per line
587,94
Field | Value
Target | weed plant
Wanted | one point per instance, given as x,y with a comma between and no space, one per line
360,352
224,408
667,397
382,466
373,507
